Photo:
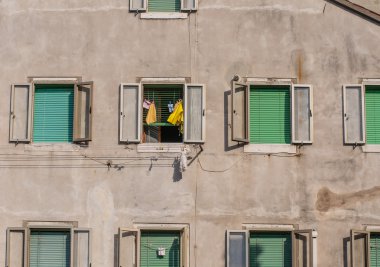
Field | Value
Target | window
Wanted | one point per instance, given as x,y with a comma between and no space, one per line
272,113
51,112
134,127
39,246
266,248
361,110
365,248
154,245
167,6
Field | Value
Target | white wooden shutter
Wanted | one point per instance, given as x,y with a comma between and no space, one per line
20,114
81,247
129,247
240,112
83,111
353,114
195,113
237,248
359,248
16,255
137,5
189,5
130,113
303,248
302,114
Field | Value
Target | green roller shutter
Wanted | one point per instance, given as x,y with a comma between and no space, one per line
375,250
270,249
49,249
53,113
152,240
164,5
372,108
270,115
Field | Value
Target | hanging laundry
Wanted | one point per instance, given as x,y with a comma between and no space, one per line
146,104
151,117
176,118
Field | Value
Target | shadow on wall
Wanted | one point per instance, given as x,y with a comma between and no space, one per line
228,144
346,250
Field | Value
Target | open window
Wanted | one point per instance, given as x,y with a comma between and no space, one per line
255,248
360,253
51,111
162,113
168,6
165,245
57,246
266,113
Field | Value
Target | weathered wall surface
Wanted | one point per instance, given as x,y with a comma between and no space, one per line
329,187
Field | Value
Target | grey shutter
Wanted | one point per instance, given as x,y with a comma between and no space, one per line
129,247
303,248
240,108
302,114
20,115
353,114
195,117
81,247
189,5
237,248
130,113
137,5
16,247
359,248
83,111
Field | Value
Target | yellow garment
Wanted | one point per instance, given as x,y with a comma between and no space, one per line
176,118
151,117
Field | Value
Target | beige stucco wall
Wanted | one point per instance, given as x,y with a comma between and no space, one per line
311,40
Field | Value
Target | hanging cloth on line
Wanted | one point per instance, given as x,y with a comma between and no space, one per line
151,116
176,118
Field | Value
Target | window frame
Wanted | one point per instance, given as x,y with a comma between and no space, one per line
161,147
264,147
272,228
33,81
70,227
184,230
144,7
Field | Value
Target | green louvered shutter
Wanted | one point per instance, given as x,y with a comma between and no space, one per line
270,115
152,240
53,113
164,5
372,108
270,250
49,249
375,250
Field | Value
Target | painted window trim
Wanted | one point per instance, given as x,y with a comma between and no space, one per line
145,4
164,15
47,226
184,229
76,82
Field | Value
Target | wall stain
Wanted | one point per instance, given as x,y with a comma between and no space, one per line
326,199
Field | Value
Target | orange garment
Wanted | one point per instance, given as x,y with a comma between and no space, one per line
151,117
176,118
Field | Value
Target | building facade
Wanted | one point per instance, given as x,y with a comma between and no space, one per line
181,133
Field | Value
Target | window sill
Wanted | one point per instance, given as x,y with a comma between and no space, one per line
371,148
52,147
164,15
270,148
161,148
